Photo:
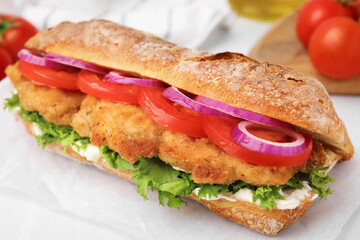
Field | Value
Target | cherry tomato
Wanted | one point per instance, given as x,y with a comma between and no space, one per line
218,130
48,76
14,32
93,84
169,114
334,48
5,59
313,13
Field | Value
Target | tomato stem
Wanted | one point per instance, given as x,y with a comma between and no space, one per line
345,2
6,24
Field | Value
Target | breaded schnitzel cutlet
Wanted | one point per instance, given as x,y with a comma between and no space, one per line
123,127
55,105
126,129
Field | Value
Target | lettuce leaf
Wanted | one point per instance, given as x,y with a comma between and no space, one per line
236,186
209,190
294,182
11,103
113,159
65,135
155,174
170,183
318,179
267,196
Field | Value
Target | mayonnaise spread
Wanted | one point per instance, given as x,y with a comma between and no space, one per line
293,196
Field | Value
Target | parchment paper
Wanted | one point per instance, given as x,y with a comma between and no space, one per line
82,190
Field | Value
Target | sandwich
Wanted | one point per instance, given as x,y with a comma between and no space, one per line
251,141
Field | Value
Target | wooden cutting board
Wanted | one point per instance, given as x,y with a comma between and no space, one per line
280,46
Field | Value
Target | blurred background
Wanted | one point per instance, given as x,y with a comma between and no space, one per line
185,22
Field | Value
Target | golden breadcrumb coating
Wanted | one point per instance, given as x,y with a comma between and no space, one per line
123,127
55,105
208,163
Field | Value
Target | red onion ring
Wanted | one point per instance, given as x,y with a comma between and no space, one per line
30,57
242,136
244,114
175,95
116,77
76,63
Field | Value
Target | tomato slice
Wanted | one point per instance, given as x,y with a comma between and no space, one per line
48,76
218,130
169,114
92,83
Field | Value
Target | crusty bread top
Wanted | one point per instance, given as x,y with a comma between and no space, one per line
228,77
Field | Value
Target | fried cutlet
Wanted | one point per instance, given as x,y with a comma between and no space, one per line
55,105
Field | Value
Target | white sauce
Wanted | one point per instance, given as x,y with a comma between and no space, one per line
220,196
16,109
37,130
332,165
293,197
177,168
246,195
91,153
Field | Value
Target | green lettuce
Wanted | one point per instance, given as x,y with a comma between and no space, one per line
64,135
318,179
155,174
171,184
11,103
209,190
113,159
267,196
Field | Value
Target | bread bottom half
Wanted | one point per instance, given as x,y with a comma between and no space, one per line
265,221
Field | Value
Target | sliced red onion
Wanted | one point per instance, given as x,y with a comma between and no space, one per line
244,114
76,63
116,77
175,95
242,136
30,57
